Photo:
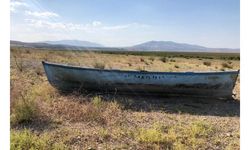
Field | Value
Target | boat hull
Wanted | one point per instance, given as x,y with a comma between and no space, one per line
205,84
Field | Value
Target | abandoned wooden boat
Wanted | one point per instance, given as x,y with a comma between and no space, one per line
208,84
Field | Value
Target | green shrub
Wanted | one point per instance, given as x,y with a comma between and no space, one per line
155,134
24,110
199,129
26,140
97,101
151,135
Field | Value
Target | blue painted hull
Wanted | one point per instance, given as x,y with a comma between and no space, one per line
205,84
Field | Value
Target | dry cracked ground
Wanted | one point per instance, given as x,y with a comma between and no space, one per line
43,118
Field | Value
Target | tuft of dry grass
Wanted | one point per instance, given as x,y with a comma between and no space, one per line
24,109
172,60
226,65
141,68
207,63
177,137
25,139
163,59
99,65
142,59
151,58
96,111
151,135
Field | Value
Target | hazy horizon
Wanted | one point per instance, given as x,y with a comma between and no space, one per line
208,23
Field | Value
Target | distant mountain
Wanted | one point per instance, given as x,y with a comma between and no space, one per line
167,46
60,46
40,45
74,43
173,46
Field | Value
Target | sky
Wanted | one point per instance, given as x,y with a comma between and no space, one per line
210,23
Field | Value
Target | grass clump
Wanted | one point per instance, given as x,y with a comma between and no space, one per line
44,92
176,66
207,63
226,65
141,68
104,133
151,58
24,109
164,59
172,60
155,134
97,101
197,133
99,65
151,135
18,59
199,129
25,139
192,136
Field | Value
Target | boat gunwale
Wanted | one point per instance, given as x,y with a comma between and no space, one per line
142,72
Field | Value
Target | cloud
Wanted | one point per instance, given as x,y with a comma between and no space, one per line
45,14
46,24
96,23
89,27
15,4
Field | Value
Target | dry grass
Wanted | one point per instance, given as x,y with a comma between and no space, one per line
78,121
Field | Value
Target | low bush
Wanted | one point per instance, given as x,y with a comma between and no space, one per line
164,59
151,58
151,135
176,66
207,63
226,65
26,140
142,59
24,109
193,136
97,101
